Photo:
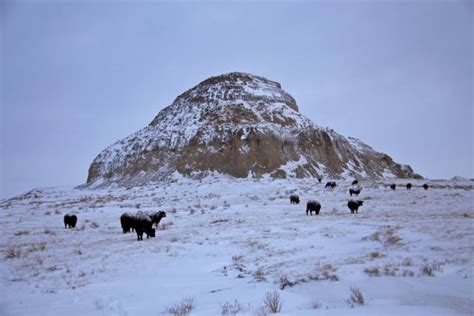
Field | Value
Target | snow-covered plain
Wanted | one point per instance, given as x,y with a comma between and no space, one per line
228,240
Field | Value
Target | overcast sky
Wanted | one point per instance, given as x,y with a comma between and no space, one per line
76,76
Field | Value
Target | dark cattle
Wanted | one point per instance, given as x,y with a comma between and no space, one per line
294,199
409,186
354,191
156,218
355,182
313,206
127,221
331,184
425,186
393,186
70,220
354,205
319,180
143,224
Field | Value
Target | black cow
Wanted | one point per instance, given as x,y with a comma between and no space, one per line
127,222
143,224
408,186
313,206
425,186
156,217
355,191
70,221
393,186
354,205
331,184
355,182
319,180
294,199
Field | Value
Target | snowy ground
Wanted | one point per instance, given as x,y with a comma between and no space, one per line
227,240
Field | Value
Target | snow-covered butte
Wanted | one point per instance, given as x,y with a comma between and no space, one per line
238,124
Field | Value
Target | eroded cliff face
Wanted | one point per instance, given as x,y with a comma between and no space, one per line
241,125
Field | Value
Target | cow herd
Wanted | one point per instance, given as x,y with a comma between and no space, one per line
393,186
141,222
353,205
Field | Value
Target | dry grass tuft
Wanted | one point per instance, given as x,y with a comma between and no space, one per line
22,232
12,252
356,297
182,308
48,231
273,302
259,275
216,221
374,271
407,262
376,255
324,272
231,308
315,305
429,268
390,270
385,235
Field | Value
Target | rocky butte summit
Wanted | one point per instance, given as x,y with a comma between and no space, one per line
240,125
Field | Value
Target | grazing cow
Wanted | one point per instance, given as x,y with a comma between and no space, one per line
313,206
408,186
294,199
331,184
425,186
355,182
156,217
143,224
393,186
355,191
127,221
70,221
354,205
319,180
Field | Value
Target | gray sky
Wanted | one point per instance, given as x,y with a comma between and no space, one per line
77,76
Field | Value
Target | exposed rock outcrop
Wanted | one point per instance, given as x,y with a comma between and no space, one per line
241,125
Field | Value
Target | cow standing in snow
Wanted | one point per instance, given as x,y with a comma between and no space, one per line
127,222
70,221
355,191
313,206
408,186
331,184
156,217
294,199
143,224
354,205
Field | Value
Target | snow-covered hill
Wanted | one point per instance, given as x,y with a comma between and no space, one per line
241,125
227,242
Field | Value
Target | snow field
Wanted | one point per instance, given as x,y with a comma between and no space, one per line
229,240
